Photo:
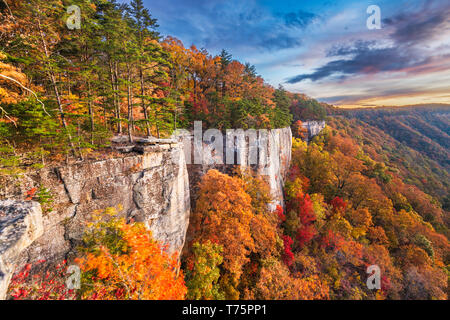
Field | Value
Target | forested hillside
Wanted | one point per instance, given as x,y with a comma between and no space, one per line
371,189
64,92
414,139
425,129
346,209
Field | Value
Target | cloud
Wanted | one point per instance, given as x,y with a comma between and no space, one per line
299,19
409,35
365,60
239,26
346,98
280,41
423,25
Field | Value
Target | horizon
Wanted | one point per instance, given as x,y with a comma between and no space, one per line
420,105
325,49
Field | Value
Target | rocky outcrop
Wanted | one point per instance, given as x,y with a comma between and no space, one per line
20,224
152,183
314,128
266,152
152,188
279,154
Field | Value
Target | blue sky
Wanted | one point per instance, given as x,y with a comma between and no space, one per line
323,48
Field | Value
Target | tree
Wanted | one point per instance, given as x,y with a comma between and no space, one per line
304,109
282,117
298,130
223,214
152,61
44,38
112,27
122,261
276,283
13,82
203,272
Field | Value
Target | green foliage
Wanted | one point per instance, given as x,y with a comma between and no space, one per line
203,272
282,115
421,241
45,198
34,125
104,231
307,109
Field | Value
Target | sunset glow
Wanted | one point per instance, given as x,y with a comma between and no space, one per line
326,50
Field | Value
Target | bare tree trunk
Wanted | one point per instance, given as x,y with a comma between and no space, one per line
157,124
130,105
55,88
117,97
175,119
113,73
144,108
91,112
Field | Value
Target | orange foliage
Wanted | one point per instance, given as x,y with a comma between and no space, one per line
135,267
223,214
276,283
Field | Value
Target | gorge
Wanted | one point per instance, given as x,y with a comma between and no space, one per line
154,185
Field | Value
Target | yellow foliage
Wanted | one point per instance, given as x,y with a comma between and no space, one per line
10,92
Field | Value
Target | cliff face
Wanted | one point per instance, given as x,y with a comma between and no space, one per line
279,154
20,224
266,152
314,128
152,188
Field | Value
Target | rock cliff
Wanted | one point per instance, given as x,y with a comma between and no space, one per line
152,188
20,224
314,128
266,152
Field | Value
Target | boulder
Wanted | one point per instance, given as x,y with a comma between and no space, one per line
120,139
20,224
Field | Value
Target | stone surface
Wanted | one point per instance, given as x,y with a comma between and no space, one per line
120,139
152,188
314,128
153,140
270,162
156,187
21,223
124,149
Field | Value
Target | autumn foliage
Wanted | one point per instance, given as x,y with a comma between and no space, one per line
119,261
122,261
231,212
347,212
50,284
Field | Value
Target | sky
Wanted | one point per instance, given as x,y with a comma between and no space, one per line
324,48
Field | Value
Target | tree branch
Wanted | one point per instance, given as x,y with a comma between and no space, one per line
29,90
9,9
8,117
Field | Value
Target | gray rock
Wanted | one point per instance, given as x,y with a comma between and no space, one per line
272,162
156,187
155,141
120,139
152,188
314,128
124,149
20,224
